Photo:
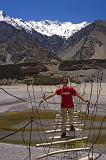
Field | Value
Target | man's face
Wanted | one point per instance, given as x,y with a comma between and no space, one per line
65,82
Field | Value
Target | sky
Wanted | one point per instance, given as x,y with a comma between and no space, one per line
74,11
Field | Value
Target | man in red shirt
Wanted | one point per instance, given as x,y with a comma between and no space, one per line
67,106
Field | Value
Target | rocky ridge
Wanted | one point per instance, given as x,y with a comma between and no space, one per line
88,43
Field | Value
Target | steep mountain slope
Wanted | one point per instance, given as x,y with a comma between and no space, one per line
88,43
22,55
17,46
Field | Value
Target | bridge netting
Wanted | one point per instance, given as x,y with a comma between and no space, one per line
33,130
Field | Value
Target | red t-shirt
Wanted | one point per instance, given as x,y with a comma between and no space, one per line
66,96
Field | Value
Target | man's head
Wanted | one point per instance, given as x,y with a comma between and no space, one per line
65,82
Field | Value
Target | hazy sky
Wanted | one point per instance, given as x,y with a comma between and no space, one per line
62,10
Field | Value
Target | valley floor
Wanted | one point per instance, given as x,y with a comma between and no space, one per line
9,104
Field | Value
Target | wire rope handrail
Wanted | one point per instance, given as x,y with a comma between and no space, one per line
32,120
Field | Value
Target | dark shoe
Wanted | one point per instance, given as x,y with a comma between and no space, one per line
63,135
72,128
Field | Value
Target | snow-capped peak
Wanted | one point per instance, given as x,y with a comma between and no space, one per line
2,14
63,29
46,27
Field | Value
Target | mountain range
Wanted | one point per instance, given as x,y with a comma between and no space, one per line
47,27
50,42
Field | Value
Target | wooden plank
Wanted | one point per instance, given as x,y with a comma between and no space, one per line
59,115
74,117
75,123
59,138
56,137
58,125
74,114
59,130
62,151
59,121
60,142
68,122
